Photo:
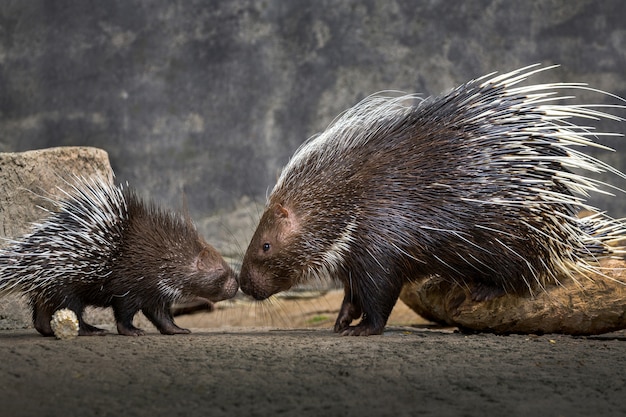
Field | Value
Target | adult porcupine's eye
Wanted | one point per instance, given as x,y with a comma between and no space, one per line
266,247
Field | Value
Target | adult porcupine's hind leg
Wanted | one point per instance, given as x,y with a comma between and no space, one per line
162,318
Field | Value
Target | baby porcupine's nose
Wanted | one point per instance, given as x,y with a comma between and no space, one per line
231,283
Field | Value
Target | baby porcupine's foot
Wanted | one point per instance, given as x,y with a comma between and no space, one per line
85,329
41,321
173,329
124,320
164,321
129,330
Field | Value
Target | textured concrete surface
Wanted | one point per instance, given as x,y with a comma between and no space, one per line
297,372
282,359
210,98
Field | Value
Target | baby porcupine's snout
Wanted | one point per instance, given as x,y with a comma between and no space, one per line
230,283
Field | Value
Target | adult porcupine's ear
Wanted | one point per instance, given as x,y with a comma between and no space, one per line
286,221
281,211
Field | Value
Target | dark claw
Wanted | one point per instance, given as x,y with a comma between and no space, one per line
363,329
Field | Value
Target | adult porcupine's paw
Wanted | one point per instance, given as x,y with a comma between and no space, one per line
340,327
343,321
348,312
363,329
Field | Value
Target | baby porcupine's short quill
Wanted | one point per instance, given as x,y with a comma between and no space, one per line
483,186
104,246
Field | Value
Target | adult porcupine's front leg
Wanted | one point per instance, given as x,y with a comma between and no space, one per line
350,310
375,304
372,322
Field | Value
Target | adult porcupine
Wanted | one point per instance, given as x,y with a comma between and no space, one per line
477,185
104,246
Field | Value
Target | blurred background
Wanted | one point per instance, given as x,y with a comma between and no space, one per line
208,99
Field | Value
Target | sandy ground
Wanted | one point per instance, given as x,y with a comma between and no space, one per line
282,359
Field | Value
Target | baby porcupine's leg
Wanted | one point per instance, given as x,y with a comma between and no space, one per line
86,329
124,315
163,320
42,317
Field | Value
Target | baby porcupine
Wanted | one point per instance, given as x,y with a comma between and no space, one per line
481,186
104,246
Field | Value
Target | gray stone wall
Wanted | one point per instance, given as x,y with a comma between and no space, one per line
210,98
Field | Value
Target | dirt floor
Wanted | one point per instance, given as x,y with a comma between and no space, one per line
281,359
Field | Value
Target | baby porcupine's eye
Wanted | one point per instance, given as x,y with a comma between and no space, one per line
266,247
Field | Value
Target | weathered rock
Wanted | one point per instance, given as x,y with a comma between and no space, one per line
589,305
26,177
